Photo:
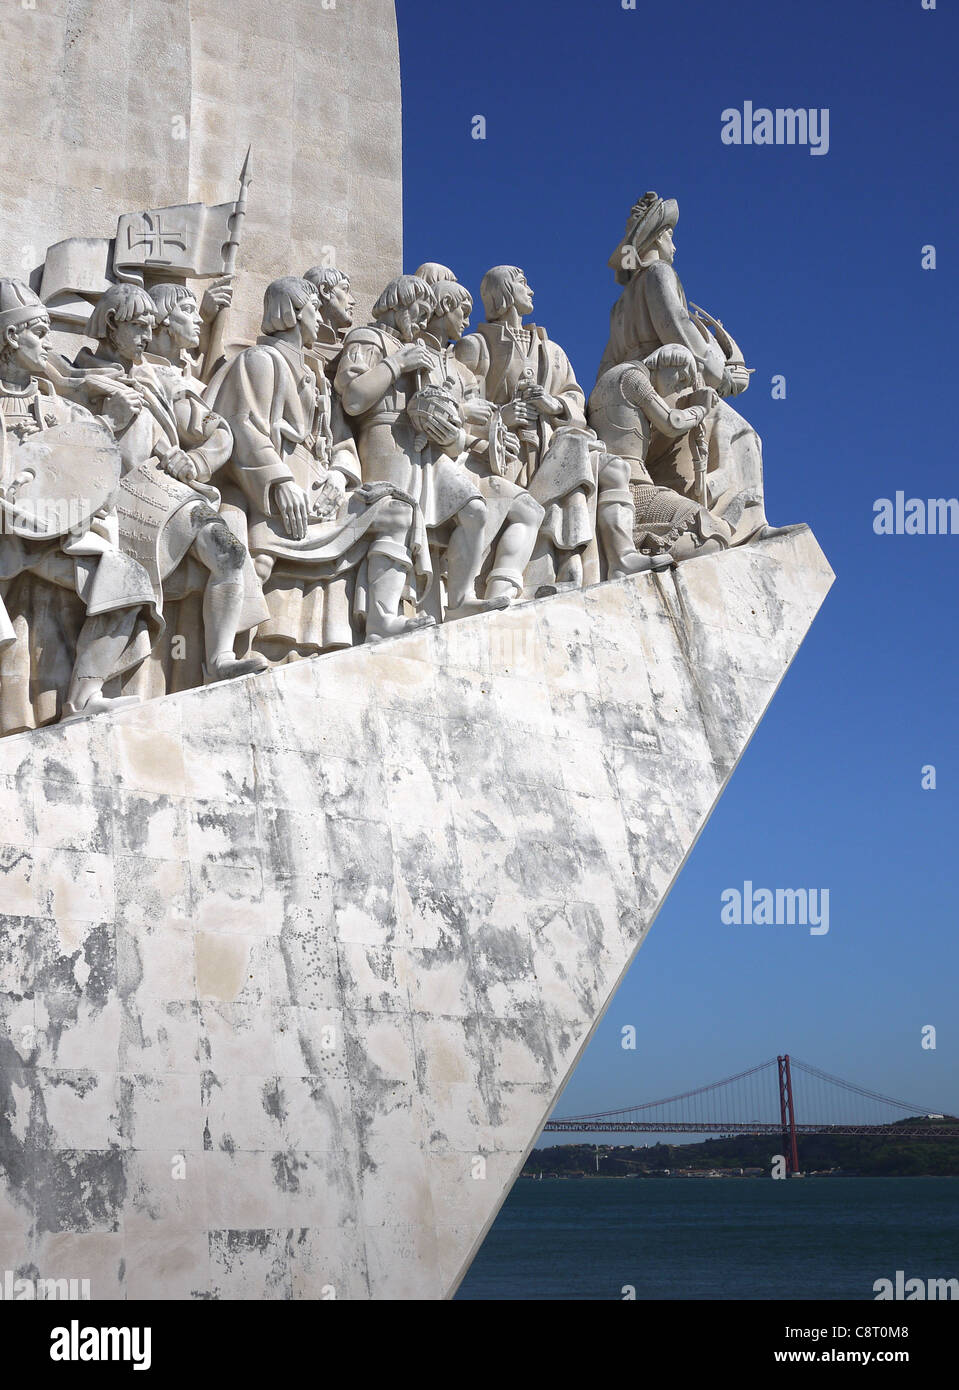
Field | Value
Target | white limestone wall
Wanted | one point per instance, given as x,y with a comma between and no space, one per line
93,94
292,969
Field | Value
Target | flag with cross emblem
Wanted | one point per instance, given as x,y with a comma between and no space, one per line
164,243
185,241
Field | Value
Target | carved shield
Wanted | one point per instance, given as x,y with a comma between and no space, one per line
69,472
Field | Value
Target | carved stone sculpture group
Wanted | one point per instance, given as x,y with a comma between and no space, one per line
173,514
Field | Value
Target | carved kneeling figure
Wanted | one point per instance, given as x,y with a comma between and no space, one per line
630,411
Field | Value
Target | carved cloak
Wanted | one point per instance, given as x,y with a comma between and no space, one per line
287,428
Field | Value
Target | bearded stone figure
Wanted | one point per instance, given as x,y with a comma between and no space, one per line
652,312
513,517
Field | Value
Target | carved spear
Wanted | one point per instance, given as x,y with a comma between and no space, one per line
218,330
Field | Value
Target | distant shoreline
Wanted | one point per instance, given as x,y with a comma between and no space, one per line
753,1156
711,1177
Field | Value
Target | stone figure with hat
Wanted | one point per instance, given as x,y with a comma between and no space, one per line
75,612
651,312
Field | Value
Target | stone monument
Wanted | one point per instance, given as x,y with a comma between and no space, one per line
365,685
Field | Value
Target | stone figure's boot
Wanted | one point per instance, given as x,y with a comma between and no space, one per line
226,666
221,609
504,584
224,556
464,560
471,606
569,575
689,546
388,568
615,515
88,702
515,549
100,647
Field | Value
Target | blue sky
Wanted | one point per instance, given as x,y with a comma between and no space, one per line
814,264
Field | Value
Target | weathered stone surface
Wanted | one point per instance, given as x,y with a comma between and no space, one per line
139,104
293,968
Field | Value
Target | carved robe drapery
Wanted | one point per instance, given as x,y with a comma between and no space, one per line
287,427
159,516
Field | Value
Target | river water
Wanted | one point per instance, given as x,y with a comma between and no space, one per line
703,1238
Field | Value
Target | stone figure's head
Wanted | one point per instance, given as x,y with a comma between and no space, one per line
672,369
123,320
290,305
451,316
177,315
503,288
432,272
405,306
337,305
24,326
648,236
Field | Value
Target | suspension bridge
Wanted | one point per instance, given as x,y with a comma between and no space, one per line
782,1096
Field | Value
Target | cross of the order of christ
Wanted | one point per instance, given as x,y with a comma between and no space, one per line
155,237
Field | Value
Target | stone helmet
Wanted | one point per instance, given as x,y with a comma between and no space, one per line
19,304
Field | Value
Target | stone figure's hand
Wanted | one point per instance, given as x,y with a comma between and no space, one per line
325,502
511,444
9,493
544,403
218,295
121,407
540,399
442,430
517,414
414,357
477,411
209,425
180,466
290,502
